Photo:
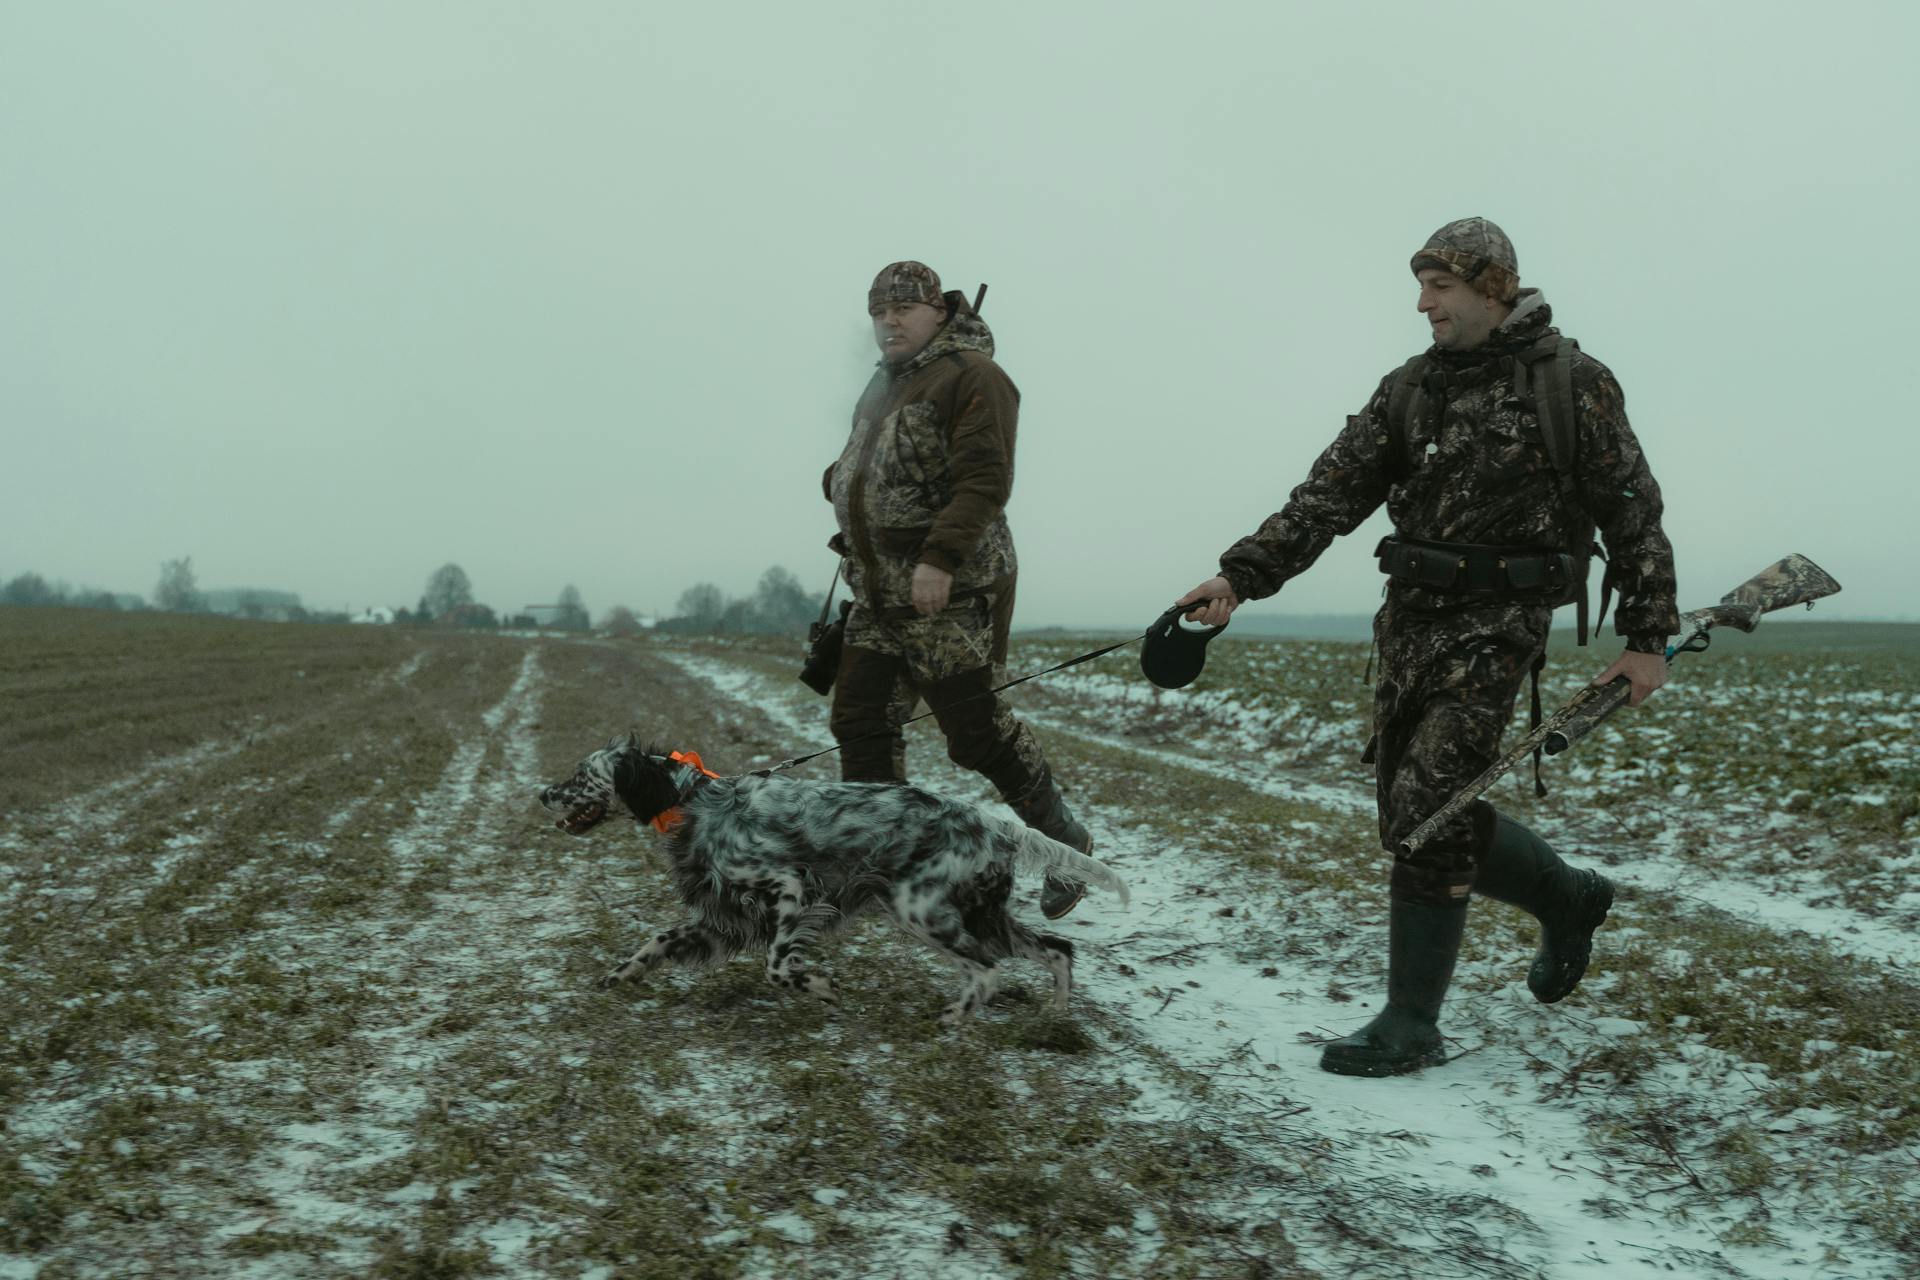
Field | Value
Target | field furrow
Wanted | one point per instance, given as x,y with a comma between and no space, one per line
312,996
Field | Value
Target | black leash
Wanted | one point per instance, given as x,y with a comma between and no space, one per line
885,733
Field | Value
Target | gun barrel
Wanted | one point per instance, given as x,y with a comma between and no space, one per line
1583,719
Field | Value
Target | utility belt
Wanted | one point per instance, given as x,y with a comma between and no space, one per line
906,612
1472,567
1480,569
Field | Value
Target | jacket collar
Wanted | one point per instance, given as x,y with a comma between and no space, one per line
963,332
1530,320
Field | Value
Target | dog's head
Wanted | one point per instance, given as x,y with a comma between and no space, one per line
622,774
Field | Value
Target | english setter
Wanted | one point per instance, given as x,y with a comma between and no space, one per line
784,863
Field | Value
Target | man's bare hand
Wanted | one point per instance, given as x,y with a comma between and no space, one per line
931,587
1645,672
1221,602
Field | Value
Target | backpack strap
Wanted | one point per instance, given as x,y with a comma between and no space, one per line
1547,370
1548,366
1406,404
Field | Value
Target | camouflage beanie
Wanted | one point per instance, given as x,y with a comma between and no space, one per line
906,282
1478,252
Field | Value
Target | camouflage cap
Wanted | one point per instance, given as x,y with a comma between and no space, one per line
1477,251
905,282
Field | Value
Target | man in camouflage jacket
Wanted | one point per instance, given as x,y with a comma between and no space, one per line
920,493
1467,475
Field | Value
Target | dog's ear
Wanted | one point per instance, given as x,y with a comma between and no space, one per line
643,785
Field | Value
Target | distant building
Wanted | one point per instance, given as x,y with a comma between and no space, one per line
377,614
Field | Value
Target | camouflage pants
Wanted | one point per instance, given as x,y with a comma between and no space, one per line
889,664
1445,693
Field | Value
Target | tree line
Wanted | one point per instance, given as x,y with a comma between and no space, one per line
778,604
177,591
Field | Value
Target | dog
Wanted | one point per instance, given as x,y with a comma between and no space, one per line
784,863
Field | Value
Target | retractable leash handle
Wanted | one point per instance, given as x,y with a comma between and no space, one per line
1174,654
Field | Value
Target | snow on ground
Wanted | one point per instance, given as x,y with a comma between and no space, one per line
470,934
1474,1130
1206,1000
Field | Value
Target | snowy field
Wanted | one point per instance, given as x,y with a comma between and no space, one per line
298,984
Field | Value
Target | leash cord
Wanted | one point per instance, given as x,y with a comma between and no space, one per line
988,693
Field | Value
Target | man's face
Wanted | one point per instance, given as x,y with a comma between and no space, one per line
1460,315
901,329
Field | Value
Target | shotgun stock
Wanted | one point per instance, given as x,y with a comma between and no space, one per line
1793,580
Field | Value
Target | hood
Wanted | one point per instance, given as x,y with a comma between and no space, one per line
964,332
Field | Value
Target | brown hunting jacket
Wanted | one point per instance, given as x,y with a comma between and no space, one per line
1476,471
927,471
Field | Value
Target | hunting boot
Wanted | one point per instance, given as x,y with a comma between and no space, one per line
1042,807
1569,902
1423,940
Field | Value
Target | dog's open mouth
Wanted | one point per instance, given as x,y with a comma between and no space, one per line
581,821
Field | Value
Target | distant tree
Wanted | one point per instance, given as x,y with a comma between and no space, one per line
96,600
402,616
701,605
448,589
178,591
29,589
620,622
521,622
739,616
782,603
251,605
573,612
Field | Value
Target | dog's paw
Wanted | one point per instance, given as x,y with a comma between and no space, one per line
613,978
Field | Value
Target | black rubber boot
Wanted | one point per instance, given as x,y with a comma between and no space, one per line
1423,941
1043,808
1569,902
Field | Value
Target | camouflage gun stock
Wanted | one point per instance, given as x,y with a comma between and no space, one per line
1794,580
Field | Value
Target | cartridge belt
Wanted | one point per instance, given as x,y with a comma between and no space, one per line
1476,567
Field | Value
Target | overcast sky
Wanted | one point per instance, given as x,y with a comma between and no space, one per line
325,295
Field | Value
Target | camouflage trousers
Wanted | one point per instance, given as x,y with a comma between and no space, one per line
1445,693
890,663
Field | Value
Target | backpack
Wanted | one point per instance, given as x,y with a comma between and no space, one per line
1543,379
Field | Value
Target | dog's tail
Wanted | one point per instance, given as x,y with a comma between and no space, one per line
1036,852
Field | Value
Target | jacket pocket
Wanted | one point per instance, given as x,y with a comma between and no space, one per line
901,543
920,450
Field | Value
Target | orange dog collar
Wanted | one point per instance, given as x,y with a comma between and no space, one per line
667,819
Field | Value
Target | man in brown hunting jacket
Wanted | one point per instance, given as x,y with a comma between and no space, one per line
920,493
1494,495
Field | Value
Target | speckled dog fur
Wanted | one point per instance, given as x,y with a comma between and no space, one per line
783,863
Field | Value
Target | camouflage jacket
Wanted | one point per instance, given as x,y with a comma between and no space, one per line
927,471
1476,471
